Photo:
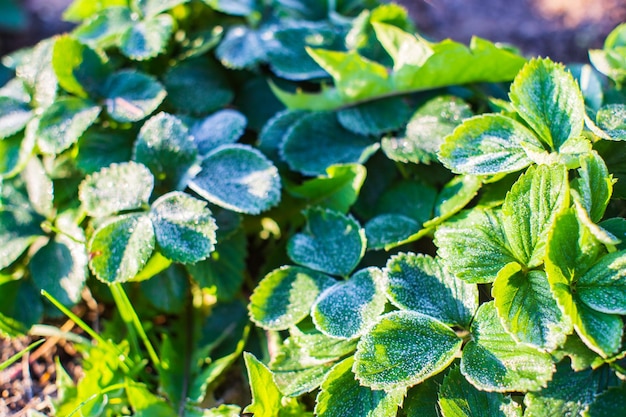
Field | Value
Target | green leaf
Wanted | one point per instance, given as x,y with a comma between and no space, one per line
287,53
403,349
603,287
63,123
488,144
285,296
266,398
568,394
243,47
105,28
39,187
594,185
36,70
239,178
528,310
482,231
106,191
188,81
80,10
338,190
317,141
184,227
341,395
130,96
15,152
608,403
18,230
14,115
421,400
147,38
571,253
459,398
234,7
331,242
79,69
60,267
165,147
390,229
529,210
616,226
98,148
410,198
611,118
430,124
493,361
167,291
145,403
223,272
152,8
421,283
120,247
453,197
349,308
20,307
547,97
273,133
221,128
375,117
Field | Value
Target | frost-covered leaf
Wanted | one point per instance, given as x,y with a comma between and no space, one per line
287,54
389,229
331,242
79,69
16,151
609,402
403,349
459,398
107,191
547,97
482,231
603,287
18,229
166,148
131,96
14,115
349,308
488,144
266,397
285,296
569,393
426,130
594,185
341,395
60,267
408,197
183,226
337,190
375,117
239,178
317,141
243,47
611,118
571,252
493,361
527,308
189,82
529,210
63,123
39,187
221,128
105,28
147,38
453,197
420,283
273,133
36,70
120,247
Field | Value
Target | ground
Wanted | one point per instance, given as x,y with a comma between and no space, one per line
561,29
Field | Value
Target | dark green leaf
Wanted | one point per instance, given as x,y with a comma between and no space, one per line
243,47
375,117
331,242
317,141
79,69
63,123
349,308
421,400
420,283
106,191
273,133
188,82
14,115
132,96
285,296
18,229
341,395
528,310
389,230
488,144
410,198
166,148
239,178
98,148
147,38
167,291
609,403
594,185
426,130
20,307
403,349
549,100
454,196
603,287
16,151
459,398
493,361
184,227
120,248
221,128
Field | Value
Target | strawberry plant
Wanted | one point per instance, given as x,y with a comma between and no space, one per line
311,204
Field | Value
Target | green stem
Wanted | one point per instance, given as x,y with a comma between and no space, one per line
133,323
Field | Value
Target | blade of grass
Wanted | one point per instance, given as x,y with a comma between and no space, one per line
19,354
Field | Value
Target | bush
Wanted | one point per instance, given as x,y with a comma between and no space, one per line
384,224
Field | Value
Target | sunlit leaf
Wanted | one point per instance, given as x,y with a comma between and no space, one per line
147,38
221,128
131,96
